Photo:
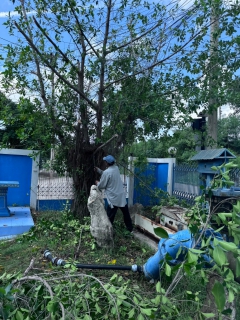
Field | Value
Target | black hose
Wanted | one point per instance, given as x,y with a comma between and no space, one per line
59,262
102,266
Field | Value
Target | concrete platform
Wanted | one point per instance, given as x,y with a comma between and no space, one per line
146,240
19,222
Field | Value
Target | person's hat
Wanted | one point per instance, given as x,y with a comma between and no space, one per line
109,159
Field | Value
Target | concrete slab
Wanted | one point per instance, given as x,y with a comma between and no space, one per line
19,222
146,240
149,225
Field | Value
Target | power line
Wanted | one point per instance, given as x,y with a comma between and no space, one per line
17,44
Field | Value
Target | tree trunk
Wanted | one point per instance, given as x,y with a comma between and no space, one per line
81,162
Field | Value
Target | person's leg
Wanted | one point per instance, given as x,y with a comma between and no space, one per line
111,212
127,218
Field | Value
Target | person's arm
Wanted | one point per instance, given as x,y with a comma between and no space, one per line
98,170
102,184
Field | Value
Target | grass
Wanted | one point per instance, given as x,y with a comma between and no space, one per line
62,235
67,239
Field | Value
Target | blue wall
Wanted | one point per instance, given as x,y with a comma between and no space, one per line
53,205
155,176
17,168
58,204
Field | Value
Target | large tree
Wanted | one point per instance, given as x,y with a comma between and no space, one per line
110,67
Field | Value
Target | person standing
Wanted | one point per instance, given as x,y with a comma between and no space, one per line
111,182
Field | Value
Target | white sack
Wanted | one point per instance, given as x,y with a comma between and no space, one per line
101,228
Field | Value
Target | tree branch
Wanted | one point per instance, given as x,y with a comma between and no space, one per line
154,64
47,286
54,44
147,32
68,83
29,267
103,145
102,72
80,28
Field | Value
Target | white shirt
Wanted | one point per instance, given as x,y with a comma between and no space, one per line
112,183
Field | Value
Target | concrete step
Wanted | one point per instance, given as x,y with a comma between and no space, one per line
19,222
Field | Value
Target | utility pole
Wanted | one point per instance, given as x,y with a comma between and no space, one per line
213,82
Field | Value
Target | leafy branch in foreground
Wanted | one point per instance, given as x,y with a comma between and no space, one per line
211,253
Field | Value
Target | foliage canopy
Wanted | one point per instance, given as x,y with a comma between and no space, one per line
104,68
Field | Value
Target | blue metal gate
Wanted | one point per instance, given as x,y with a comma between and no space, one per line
149,182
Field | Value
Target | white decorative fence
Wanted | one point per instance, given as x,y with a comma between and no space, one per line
50,186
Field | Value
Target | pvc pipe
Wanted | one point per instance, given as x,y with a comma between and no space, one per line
182,239
59,262
171,246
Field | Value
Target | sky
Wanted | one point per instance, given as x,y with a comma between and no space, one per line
5,7
5,38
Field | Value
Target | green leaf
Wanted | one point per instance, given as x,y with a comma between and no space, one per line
208,315
237,206
231,296
219,256
97,308
19,315
148,312
131,313
140,317
114,277
2,291
219,295
87,295
215,242
122,296
219,229
179,252
228,274
168,270
157,300
187,268
52,306
229,246
126,304
158,287
230,165
192,257
8,288
113,310
196,250
161,233
222,217
135,300
238,267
